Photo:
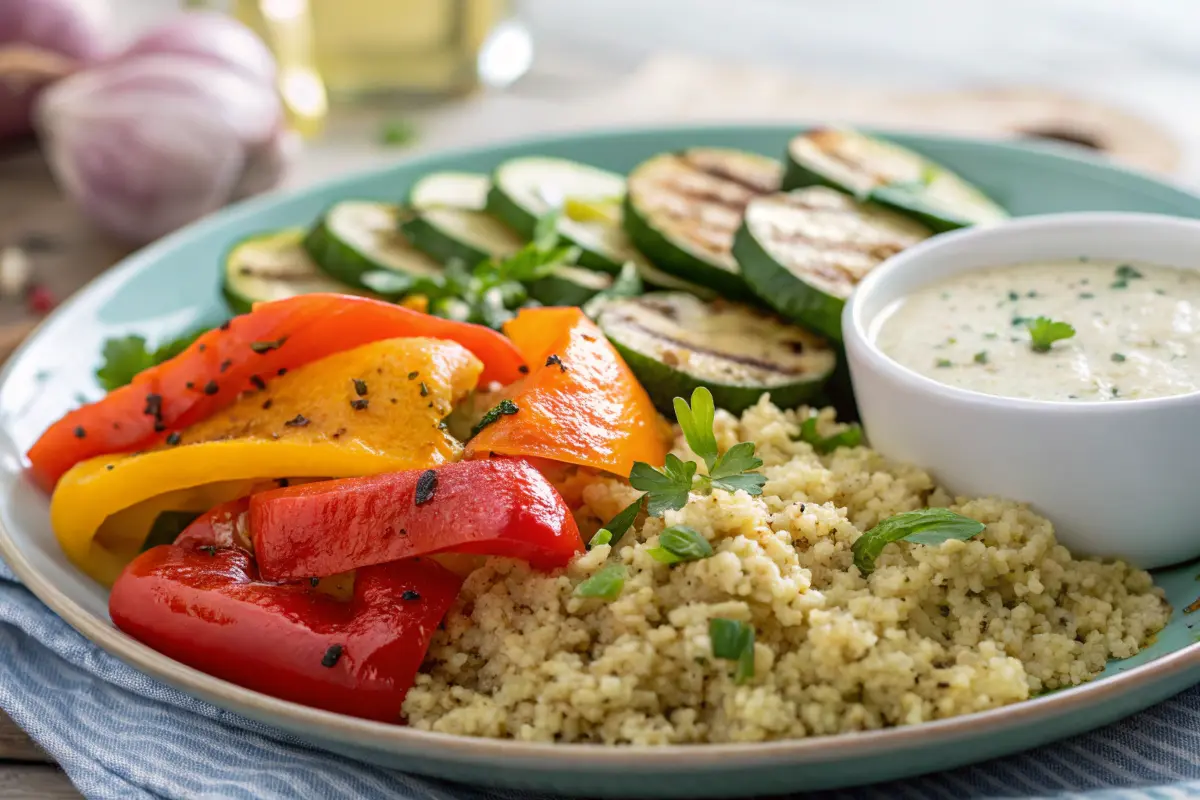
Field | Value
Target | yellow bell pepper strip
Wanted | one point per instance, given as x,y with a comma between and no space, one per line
580,403
377,408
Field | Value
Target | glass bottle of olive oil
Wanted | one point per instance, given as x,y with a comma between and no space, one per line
405,49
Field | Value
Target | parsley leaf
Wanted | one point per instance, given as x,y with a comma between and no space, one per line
680,543
850,437
618,525
733,470
628,283
665,489
696,422
125,357
924,526
606,584
1044,332
733,640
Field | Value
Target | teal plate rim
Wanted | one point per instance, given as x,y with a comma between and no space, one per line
1176,669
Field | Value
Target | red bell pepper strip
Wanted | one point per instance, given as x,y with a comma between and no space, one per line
240,356
502,507
207,608
220,526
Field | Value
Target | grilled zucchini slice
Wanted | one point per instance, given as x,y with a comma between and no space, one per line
803,252
675,342
894,176
466,190
682,210
273,266
454,234
357,237
569,286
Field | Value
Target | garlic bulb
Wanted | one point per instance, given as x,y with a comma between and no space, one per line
172,129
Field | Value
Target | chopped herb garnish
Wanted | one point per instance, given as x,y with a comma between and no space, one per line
553,361
410,596
173,438
424,389
267,403
1126,272
1014,296
210,549
622,522
359,404
79,432
224,326
189,385
266,347
1044,332
258,383
426,487
332,655
603,536
990,335
942,363
153,406
733,640
1118,357
680,543
606,584
925,526
1115,391
665,488
851,436
211,388
298,421
397,133
1019,320
1086,295
314,582
981,357
505,408
360,387
1031,293
226,364
125,357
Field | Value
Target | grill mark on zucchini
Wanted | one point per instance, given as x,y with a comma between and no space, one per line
748,361
707,162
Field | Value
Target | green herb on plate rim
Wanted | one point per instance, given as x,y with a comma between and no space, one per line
929,526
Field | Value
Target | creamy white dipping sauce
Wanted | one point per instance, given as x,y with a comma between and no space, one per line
1135,331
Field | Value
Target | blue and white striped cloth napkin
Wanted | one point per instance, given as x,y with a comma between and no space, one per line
121,734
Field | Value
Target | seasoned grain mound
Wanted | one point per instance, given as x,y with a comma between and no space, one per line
932,633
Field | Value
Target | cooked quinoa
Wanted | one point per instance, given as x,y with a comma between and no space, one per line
933,632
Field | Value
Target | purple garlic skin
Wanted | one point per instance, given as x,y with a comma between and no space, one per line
184,121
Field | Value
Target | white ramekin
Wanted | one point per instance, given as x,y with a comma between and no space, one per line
1117,478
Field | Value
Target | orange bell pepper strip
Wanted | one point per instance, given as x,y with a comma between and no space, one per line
243,355
580,404
376,408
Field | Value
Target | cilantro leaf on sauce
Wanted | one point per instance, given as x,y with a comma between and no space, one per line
1044,332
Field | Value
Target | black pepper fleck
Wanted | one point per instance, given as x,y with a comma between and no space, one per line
360,404
173,438
283,482
360,387
153,406
258,382
282,371
202,347
554,360
190,385
313,581
80,432
210,549
109,467
426,487
159,426
410,595
226,364
267,403
412,376
424,389
224,326
524,370
332,655
211,388
298,421
338,432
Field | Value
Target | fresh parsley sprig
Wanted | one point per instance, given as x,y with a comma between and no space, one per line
1044,332
667,487
850,437
126,356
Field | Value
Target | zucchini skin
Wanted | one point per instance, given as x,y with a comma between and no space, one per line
237,304
776,286
672,258
335,259
514,216
664,383
553,290
438,246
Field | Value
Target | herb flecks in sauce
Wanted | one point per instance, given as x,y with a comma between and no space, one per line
1151,318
